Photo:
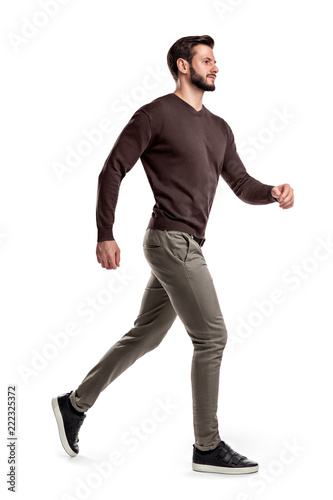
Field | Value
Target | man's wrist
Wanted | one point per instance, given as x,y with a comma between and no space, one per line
272,187
104,234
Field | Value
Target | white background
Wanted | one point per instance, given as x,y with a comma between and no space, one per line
275,391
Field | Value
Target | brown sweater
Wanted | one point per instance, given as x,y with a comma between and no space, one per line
183,152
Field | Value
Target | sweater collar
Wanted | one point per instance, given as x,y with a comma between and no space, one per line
188,106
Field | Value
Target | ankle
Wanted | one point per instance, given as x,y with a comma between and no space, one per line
74,410
204,452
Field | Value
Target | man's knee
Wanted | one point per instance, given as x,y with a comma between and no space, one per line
221,338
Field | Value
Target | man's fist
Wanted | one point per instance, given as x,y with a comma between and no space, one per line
284,195
108,254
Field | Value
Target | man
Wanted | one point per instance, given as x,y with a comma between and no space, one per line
184,148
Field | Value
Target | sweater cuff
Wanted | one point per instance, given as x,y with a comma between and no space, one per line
104,234
272,198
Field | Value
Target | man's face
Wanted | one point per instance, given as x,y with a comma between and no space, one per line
203,69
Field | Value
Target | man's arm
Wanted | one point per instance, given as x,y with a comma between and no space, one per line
129,146
247,188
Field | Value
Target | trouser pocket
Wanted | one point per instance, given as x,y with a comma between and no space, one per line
179,244
152,239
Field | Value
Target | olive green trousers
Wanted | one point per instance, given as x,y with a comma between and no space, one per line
180,284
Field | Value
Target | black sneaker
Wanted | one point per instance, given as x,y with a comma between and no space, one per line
69,423
223,460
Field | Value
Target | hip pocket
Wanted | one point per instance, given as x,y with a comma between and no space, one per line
151,239
151,245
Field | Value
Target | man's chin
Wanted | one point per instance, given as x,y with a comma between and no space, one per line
210,88
202,85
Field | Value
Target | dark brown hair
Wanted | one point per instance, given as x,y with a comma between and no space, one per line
184,48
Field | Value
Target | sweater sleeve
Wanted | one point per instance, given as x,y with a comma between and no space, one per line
247,188
129,146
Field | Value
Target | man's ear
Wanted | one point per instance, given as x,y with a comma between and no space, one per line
182,65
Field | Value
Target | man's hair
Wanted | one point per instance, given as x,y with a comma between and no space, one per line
184,48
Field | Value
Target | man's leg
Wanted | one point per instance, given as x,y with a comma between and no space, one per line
155,318
177,261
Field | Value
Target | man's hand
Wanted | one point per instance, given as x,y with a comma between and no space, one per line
108,254
284,195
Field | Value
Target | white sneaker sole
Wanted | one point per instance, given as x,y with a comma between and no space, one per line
61,428
224,470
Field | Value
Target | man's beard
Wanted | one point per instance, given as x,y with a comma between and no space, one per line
199,81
